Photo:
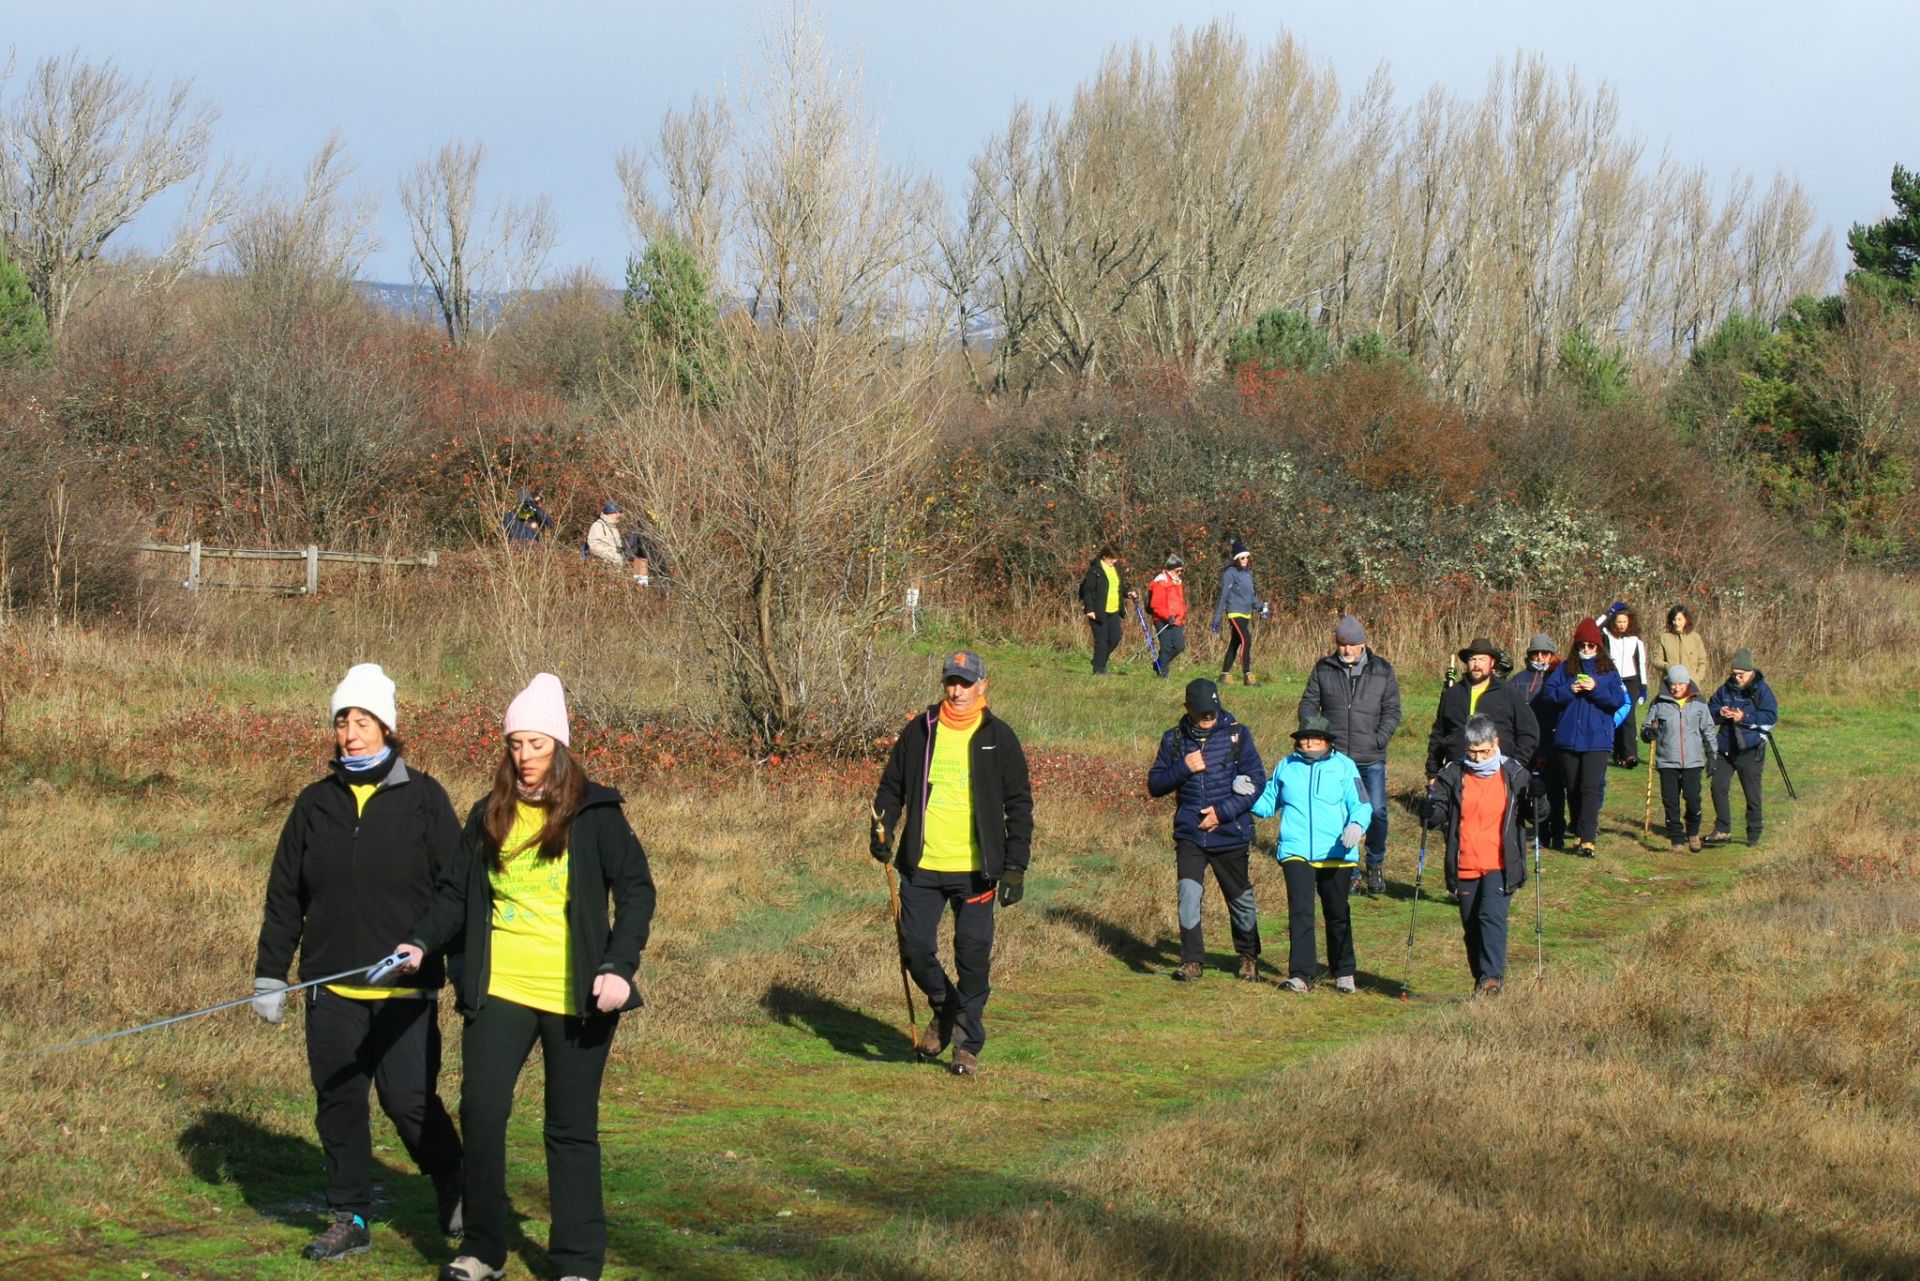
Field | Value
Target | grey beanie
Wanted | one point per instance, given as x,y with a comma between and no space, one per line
1541,644
1349,632
1679,675
1174,561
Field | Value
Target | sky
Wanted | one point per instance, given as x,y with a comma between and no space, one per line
556,88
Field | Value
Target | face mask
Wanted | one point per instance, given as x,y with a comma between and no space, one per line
1537,664
1313,756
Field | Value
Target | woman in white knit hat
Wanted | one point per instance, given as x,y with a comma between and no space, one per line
356,864
541,856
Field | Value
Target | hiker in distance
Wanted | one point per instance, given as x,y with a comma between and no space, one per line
527,519
1681,643
1359,694
1590,696
1236,606
1680,726
527,895
955,794
1103,595
1481,692
355,866
1745,711
1629,654
1480,802
1210,763
1167,612
1549,784
1316,793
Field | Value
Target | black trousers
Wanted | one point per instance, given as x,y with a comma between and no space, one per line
1239,641
1483,919
1332,885
1236,886
1751,766
1676,783
394,1046
1553,829
493,1049
1106,638
924,898
1172,639
1585,778
1626,735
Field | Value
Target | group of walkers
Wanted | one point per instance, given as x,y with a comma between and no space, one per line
1105,597
537,907
609,541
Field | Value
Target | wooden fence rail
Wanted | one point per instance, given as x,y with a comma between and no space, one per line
197,552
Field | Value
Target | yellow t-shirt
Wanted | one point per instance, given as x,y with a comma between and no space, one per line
951,845
1113,587
531,959
361,791
1473,695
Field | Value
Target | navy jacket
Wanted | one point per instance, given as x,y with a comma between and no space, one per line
1586,719
1757,701
1213,786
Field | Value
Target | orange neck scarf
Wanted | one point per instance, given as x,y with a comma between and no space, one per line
961,724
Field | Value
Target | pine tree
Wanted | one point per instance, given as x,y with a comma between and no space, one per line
23,326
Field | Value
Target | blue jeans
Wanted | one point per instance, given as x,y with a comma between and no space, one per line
1373,787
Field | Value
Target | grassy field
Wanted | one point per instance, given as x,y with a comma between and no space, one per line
1717,1078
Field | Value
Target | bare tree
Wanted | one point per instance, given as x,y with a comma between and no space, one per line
83,149
690,159
292,243
463,255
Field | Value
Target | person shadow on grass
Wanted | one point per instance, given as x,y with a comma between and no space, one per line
1119,942
842,1027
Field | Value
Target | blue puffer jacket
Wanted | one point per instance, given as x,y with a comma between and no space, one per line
1236,593
1586,720
1214,786
1315,800
1757,701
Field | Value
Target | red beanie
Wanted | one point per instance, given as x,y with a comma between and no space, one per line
1588,633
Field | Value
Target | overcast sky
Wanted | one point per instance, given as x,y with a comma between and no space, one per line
1826,93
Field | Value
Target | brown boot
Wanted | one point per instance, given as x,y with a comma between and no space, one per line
1249,969
965,1063
1487,987
1249,679
1188,973
935,1037
1694,845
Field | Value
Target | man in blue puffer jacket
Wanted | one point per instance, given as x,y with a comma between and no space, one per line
1590,695
1746,711
1316,792
1210,760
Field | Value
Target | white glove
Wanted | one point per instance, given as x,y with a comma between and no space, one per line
270,998
1351,834
1243,786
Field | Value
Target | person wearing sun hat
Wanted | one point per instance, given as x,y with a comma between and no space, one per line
954,813
546,963
1323,818
1483,692
355,865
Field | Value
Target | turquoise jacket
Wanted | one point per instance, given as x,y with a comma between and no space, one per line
1315,800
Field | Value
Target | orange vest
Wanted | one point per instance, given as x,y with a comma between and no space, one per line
1483,811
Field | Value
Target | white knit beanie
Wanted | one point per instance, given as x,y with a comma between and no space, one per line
370,689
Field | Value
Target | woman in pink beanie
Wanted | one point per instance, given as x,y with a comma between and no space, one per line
541,856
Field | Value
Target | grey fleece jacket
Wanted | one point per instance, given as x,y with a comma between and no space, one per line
1683,736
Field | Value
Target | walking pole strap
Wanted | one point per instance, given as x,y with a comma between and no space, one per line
374,973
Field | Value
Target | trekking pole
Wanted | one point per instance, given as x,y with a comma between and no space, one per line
1153,646
1768,735
376,973
900,949
1539,930
1413,913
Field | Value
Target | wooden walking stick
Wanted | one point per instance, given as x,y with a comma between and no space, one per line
1646,819
900,949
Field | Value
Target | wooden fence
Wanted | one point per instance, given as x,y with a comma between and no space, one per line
197,553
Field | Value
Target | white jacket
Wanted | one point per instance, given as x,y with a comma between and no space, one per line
603,542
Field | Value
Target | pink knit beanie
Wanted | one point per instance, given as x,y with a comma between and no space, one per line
540,708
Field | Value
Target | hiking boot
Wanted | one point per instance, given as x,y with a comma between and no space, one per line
1190,972
1249,969
1718,838
1226,678
1249,679
346,1235
1295,983
468,1268
935,1037
1487,987
1584,849
1376,879
1358,884
1678,847
1344,984
1693,845
447,1201
965,1063
1753,840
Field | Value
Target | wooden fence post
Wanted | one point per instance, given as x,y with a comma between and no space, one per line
313,569
193,566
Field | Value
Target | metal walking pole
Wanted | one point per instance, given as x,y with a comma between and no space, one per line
1768,735
1539,930
375,973
1153,645
1413,912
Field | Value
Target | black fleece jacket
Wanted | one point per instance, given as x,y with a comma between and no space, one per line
345,885
604,859
1002,794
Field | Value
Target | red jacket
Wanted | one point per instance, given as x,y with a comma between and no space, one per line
1167,599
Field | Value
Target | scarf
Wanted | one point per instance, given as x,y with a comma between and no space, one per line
950,719
363,764
1487,768
1313,758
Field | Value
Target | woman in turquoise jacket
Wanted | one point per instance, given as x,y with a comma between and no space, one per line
1323,818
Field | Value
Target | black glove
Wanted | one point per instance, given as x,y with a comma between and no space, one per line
1429,812
1012,886
1541,809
